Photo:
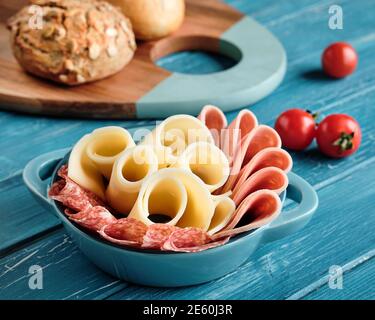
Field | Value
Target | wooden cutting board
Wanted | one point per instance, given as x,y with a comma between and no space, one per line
144,90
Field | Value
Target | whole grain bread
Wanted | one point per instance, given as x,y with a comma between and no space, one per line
78,41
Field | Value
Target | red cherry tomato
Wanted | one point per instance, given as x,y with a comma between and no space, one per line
338,135
339,60
296,128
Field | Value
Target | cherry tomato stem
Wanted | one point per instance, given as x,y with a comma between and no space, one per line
338,135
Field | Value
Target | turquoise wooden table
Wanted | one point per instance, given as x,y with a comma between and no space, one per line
341,232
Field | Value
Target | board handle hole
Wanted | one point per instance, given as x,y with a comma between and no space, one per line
222,54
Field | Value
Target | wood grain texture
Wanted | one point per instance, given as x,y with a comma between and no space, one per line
116,96
340,233
52,254
358,282
329,281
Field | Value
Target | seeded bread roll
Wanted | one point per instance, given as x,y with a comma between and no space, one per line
71,41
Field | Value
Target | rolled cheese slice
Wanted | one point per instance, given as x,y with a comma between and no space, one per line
224,209
83,171
162,194
130,170
206,161
106,145
174,134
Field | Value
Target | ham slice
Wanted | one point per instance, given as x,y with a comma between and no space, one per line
258,139
270,178
269,157
256,210
215,121
239,128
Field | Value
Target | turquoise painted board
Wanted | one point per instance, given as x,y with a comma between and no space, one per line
260,69
341,232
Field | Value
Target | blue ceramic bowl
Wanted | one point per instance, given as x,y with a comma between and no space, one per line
169,269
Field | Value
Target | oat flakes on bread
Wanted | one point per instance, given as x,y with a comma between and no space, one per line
80,40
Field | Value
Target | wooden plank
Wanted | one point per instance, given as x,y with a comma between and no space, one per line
347,272
358,283
77,279
21,218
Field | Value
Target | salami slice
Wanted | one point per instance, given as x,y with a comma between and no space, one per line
125,232
71,195
215,121
258,209
210,245
156,235
93,218
270,178
191,240
186,240
63,172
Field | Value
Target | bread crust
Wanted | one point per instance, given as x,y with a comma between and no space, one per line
153,19
79,40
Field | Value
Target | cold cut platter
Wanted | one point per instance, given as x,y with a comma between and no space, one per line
192,192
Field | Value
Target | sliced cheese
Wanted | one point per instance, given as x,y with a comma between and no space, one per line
81,169
165,188
207,162
106,145
163,195
224,210
174,134
130,169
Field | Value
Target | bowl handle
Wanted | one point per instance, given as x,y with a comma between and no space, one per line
295,219
38,172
